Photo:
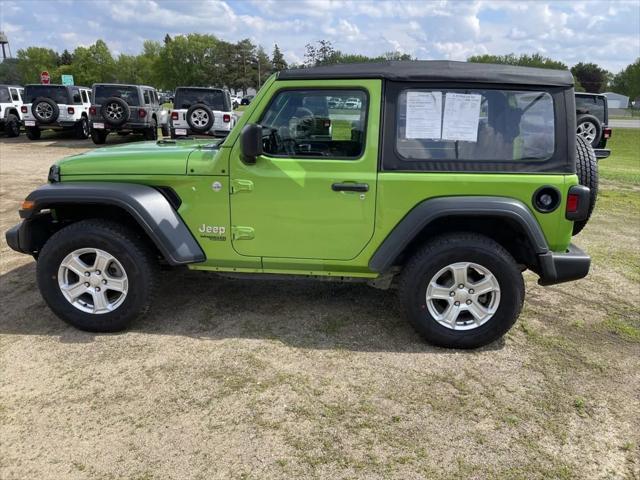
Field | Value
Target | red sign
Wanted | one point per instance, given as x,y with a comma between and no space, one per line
45,79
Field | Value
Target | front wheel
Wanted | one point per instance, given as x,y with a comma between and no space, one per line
96,275
462,291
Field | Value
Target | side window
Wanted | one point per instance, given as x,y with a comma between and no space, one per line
84,96
75,96
14,95
315,123
146,97
475,125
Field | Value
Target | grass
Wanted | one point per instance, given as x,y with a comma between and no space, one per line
624,163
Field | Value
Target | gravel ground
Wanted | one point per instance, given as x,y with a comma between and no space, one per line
263,379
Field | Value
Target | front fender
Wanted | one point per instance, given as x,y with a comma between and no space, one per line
146,205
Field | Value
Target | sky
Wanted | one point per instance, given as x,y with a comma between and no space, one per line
603,32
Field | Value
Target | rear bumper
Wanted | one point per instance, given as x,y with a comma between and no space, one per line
57,125
602,152
128,126
563,267
209,133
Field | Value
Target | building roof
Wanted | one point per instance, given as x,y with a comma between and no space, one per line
435,71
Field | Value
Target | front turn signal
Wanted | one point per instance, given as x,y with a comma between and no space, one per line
28,205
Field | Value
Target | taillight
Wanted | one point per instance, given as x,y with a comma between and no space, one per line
70,110
92,110
174,115
24,109
607,132
226,118
573,202
142,113
327,123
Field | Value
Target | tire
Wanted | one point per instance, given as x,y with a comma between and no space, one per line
115,111
12,126
202,120
172,134
151,133
33,133
82,129
45,110
99,137
589,128
440,255
132,268
165,130
587,171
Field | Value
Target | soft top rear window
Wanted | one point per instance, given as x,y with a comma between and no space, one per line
127,93
4,95
475,125
57,93
214,99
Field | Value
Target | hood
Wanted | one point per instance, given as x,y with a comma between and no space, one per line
165,157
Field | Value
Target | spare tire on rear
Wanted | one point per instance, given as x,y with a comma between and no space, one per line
45,110
115,111
200,118
587,171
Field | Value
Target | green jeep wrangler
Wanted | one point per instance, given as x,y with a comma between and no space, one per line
443,179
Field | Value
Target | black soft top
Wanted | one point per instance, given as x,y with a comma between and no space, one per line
435,71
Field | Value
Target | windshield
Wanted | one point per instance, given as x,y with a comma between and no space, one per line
58,94
128,94
4,95
215,99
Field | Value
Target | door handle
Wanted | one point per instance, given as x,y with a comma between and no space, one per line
350,187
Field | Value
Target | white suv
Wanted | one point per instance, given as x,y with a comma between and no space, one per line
201,111
10,103
56,107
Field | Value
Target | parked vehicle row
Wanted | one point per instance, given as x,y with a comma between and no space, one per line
115,108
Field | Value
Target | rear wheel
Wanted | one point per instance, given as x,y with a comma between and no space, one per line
462,291
33,133
165,130
587,171
152,132
589,128
98,136
12,125
96,275
82,128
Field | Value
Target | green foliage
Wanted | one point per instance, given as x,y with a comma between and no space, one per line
627,82
34,60
324,54
590,76
92,64
9,73
525,60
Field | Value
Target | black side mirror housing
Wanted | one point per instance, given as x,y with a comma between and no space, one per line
251,143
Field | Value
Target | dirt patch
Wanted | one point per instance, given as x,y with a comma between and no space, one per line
258,379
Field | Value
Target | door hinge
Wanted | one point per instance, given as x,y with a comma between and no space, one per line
241,186
242,233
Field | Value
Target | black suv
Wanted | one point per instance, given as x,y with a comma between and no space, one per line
124,109
591,123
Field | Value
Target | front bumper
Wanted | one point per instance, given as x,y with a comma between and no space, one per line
563,267
13,238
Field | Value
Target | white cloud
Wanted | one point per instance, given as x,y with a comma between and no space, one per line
426,29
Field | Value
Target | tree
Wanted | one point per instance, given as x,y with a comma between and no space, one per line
592,78
9,73
627,82
277,61
34,60
263,66
93,64
189,60
322,54
65,58
525,60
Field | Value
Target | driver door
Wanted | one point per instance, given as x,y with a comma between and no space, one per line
312,194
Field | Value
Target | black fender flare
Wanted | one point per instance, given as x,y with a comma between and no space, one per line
429,210
146,205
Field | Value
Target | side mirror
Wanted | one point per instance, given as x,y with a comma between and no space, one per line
251,143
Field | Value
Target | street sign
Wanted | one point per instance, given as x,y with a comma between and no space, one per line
67,79
45,79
